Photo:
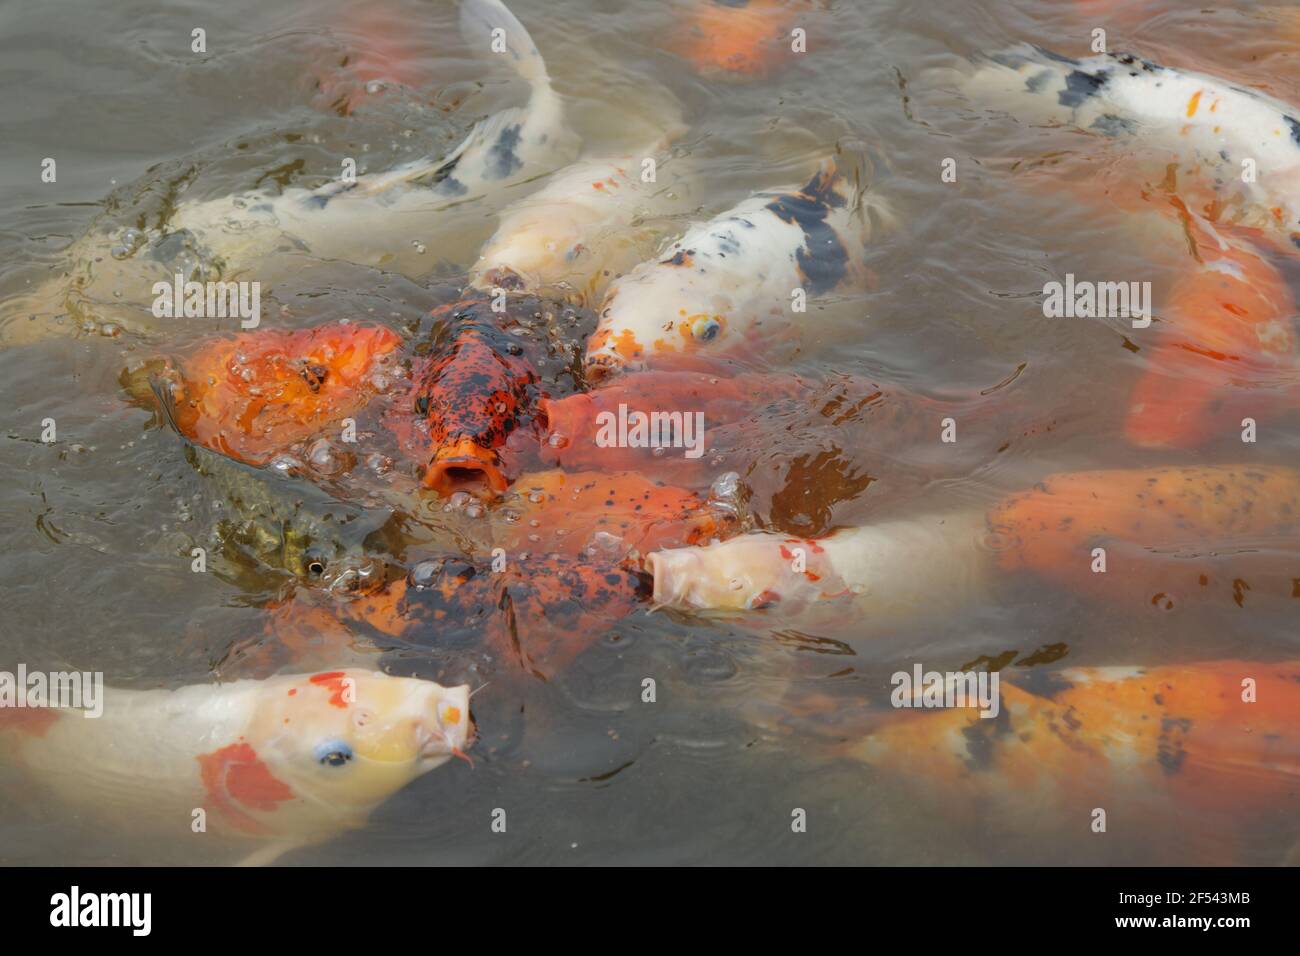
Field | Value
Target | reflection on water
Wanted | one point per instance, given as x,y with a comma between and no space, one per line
752,716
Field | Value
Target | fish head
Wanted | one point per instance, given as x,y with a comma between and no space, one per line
344,741
640,329
746,573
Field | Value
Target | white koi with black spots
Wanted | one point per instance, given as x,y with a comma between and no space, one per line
726,279
1203,119
380,220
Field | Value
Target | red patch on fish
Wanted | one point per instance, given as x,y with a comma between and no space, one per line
337,683
32,721
236,778
253,395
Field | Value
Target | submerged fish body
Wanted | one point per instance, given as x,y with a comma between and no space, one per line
1211,749
536,614
577,232
1208,121
374,219
1228,327
736,38
286,761
727,280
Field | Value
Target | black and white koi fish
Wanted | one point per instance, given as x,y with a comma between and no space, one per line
1206,120
376,219
728,276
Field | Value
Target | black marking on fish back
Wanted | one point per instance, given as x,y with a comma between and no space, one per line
502,158
1295,129
1079,86
823,259
1042,682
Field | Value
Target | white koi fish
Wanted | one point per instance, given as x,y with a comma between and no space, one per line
728,277
287,762
374,220
588,224
1208,121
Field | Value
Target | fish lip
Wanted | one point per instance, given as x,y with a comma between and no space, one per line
465,458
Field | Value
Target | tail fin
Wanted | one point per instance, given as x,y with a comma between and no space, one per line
479,21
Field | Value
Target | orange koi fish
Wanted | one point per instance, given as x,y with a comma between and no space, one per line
1205,749
470,395
539,611
383,53
1229,325
253,395
737,38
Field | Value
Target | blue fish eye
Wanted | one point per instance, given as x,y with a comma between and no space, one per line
333,753
705,329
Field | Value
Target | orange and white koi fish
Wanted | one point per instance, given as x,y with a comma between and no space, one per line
252,395
1216,125
1228,328
736,38
727,279
285,762
1211,536
1211,750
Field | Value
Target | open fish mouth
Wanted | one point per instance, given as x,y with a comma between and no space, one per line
464,466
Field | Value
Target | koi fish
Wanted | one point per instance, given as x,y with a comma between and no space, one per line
619,513
281,524
736,38
469,396
284,762
538,612
737,413
382,55
251,396
577,231
1213,124
1185,745
723,280
375,219
1228,323
1213,536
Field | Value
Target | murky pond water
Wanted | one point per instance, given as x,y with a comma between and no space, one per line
753,714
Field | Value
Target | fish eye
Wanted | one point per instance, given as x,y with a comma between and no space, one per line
333,753
705,328
315,563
